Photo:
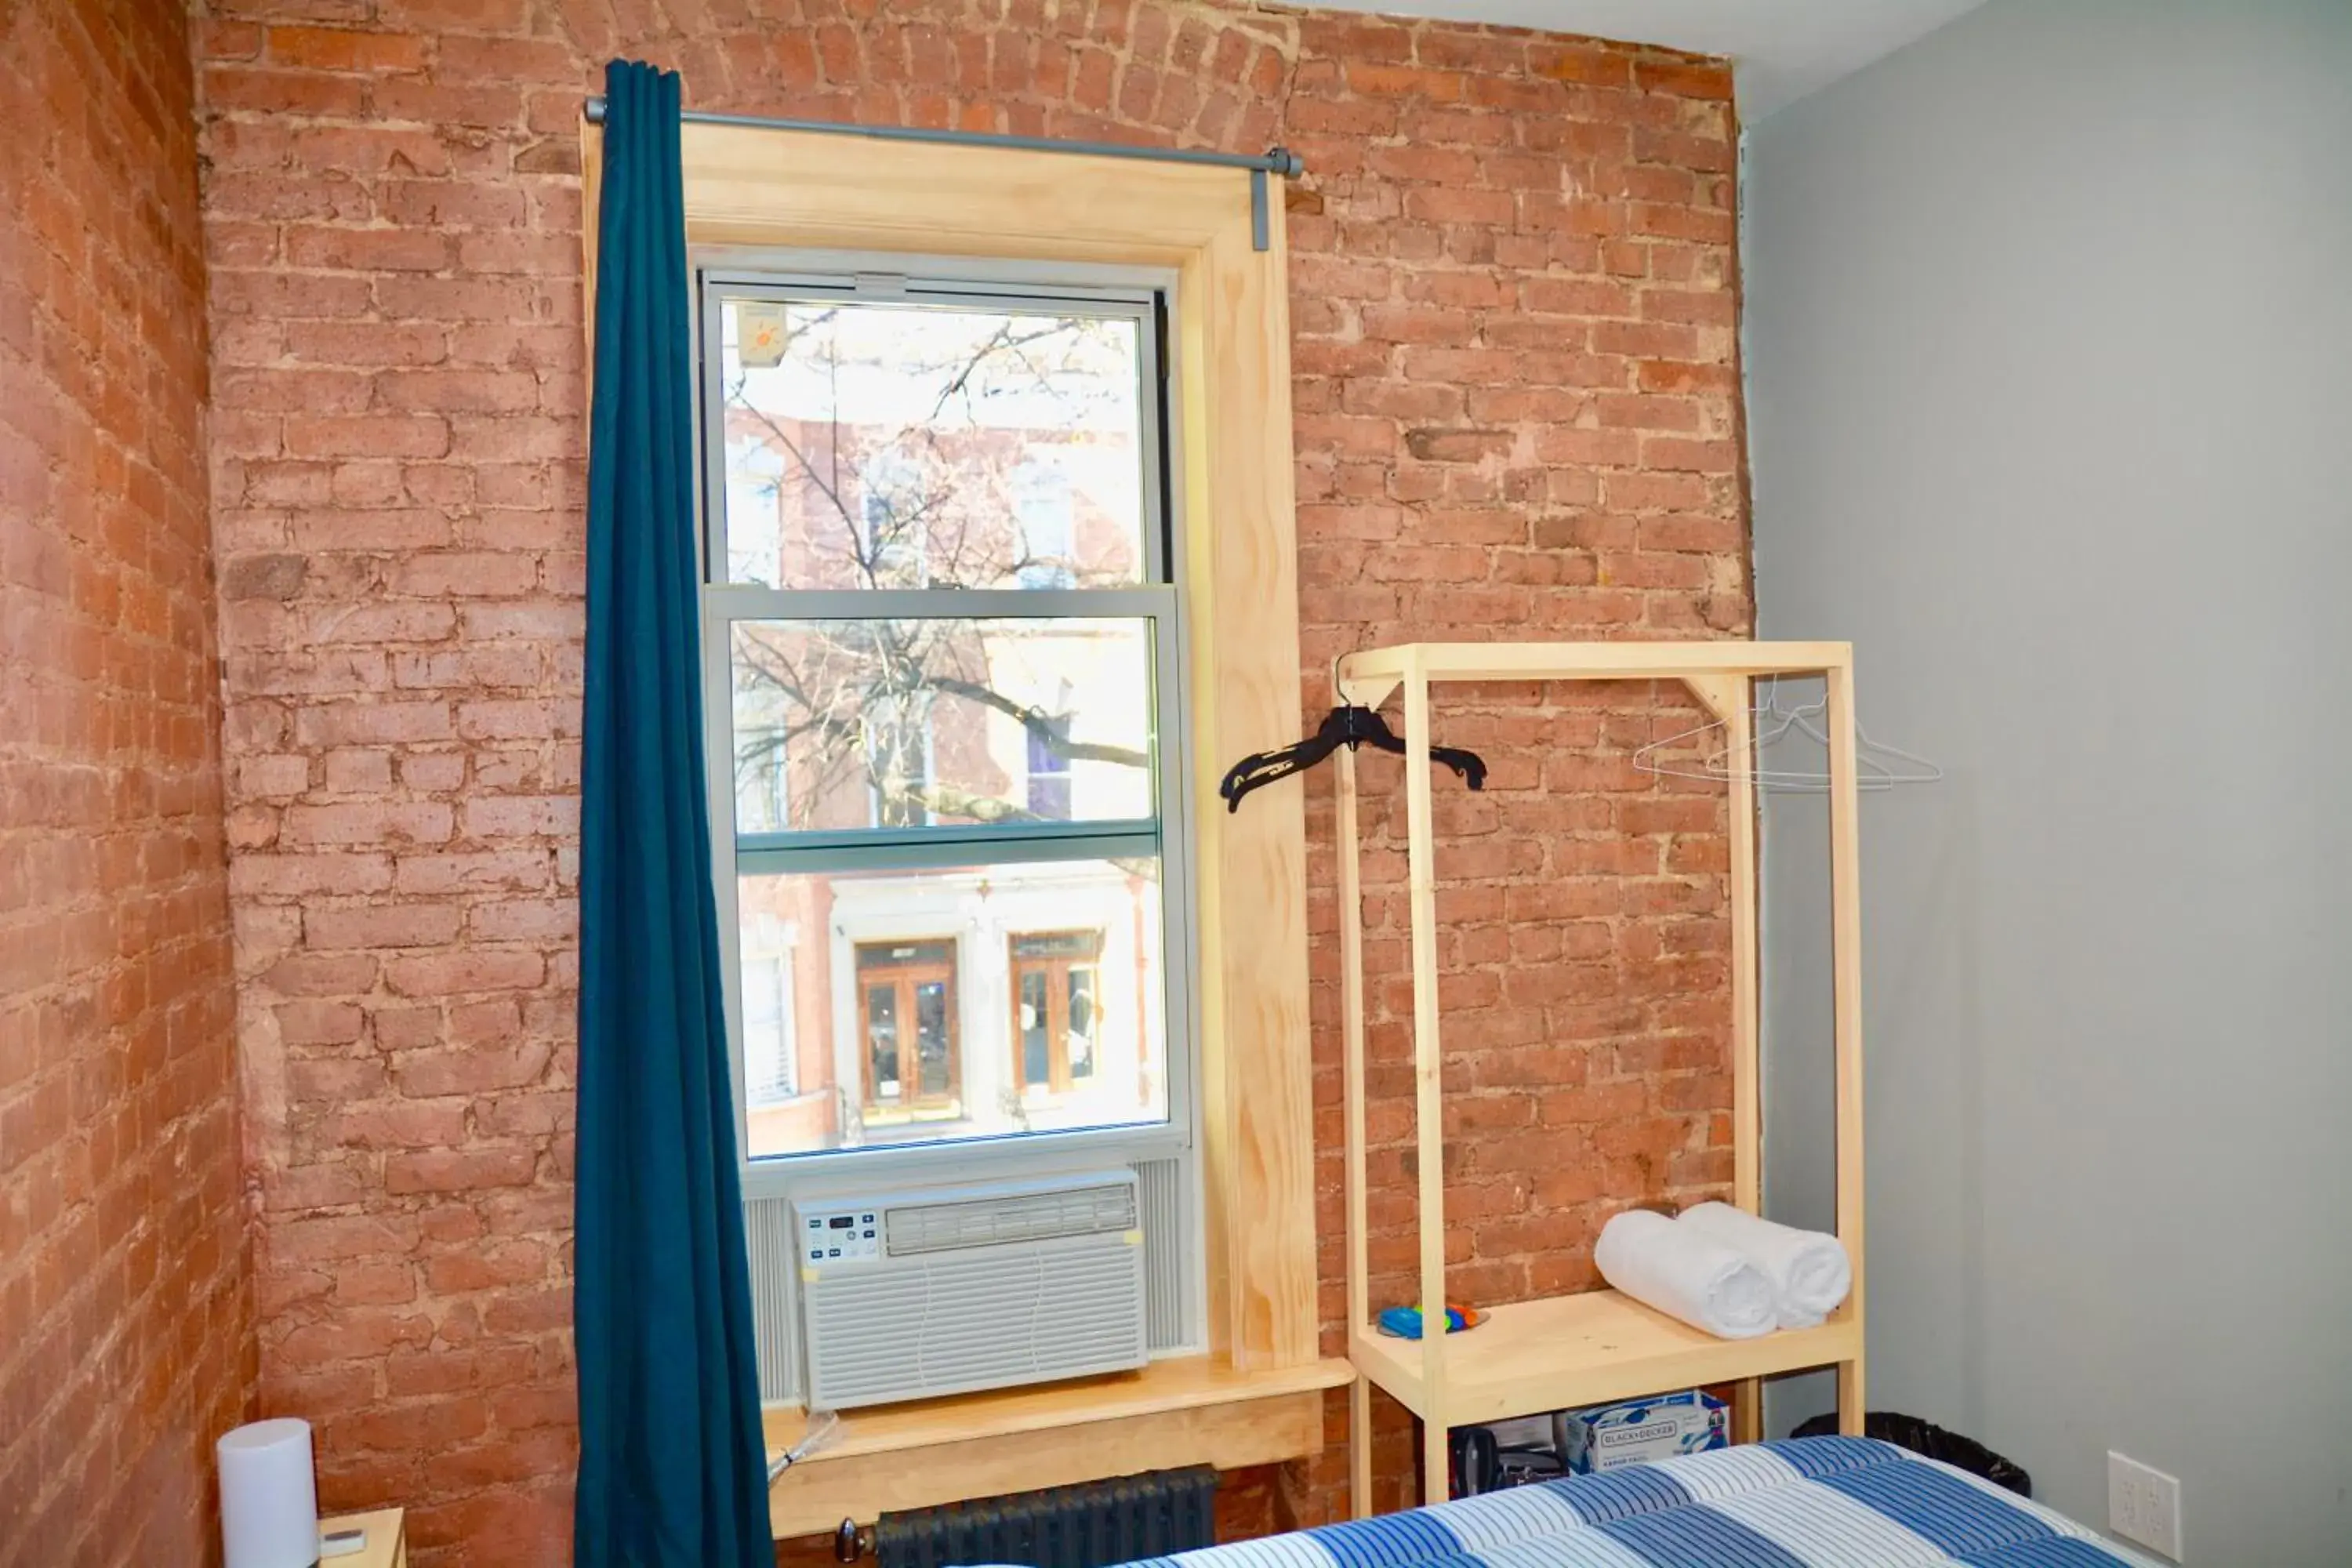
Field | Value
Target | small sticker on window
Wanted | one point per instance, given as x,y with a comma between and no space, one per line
761,334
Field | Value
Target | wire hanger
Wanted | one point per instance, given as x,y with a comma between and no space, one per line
1348,725
1877,767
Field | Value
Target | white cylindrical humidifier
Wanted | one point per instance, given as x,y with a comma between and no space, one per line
269,1498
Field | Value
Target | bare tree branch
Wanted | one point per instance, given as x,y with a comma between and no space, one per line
1041,725
851,692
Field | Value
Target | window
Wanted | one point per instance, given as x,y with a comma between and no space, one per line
1057,1010
898,742
768,1066
1236,1052
1049,770
758,774
1048,759
896,503
942,611
755,490
1042,505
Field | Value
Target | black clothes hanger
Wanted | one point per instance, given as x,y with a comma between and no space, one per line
1349,726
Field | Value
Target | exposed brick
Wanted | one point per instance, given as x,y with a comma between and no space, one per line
377,925
343,49
462,1171
128,1310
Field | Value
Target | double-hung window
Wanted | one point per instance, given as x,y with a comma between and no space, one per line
944,675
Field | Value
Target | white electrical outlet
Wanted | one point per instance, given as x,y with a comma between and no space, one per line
2144,1505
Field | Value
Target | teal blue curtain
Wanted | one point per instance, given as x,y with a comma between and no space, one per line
672,1474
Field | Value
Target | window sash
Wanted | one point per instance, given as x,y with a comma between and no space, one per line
1141,306
1164,836
809,849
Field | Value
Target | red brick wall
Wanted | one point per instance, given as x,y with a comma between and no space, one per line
1513,298
126,1304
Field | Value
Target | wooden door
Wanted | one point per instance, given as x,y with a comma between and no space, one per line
1056,1010
907,1025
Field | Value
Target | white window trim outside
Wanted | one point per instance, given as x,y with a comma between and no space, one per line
1126,292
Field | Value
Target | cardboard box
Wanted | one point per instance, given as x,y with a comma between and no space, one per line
1637,1431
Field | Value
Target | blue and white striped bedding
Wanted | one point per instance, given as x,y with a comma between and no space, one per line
1816,1502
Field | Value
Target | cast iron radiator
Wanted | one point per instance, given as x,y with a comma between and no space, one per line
1090,1526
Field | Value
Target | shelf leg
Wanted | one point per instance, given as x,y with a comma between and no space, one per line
1359,1447
1434,1461
1850,1398
1351,1018
1747,1410
1846,987
1428,1057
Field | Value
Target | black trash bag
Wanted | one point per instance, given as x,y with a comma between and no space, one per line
1927,1438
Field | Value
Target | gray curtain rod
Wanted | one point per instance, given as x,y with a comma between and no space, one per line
1275,161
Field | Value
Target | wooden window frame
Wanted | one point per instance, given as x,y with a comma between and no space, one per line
1256,1397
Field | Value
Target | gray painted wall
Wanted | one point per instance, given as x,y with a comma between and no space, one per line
2050,348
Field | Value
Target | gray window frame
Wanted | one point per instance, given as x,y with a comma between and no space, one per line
1137,294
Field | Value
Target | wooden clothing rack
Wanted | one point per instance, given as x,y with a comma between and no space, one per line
1527,1357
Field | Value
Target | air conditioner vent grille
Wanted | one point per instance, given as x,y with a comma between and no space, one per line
946,1325
912,1229
982,1286
767,1244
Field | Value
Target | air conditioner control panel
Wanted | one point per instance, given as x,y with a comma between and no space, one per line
846,1234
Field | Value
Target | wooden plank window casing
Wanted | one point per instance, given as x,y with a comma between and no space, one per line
1257,1396
760,189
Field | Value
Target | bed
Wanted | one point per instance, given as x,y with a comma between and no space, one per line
1814,1502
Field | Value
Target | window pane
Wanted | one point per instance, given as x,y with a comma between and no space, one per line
906,445
1035,1023
882,1043
940,1013
768,950
758,789
1081,1023
935,1062
907,723
1049,769
766,1043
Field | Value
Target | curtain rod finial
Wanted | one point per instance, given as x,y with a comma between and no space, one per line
1285,162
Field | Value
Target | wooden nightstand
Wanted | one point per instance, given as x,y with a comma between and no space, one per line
388,1542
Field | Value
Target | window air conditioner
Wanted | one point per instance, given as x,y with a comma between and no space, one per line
915,1294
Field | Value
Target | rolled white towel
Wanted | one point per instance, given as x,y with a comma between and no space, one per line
1809,1270
1684,1275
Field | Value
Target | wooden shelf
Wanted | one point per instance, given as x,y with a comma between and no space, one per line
1189,1410
1369,676
1581,1350
1533,1357
387,1541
